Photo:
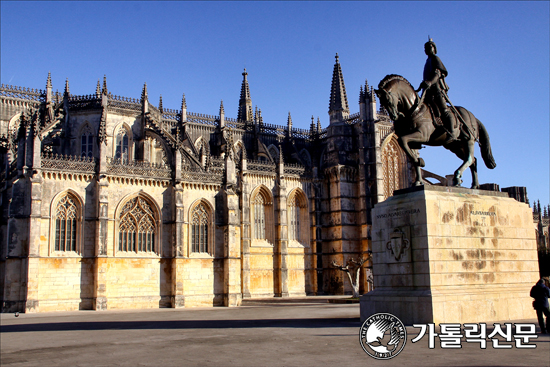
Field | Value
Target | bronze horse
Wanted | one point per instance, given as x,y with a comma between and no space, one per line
414,126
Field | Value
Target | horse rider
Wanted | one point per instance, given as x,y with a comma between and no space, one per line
436,89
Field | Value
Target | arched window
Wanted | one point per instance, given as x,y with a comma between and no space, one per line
200,227
87,142
137,227
66,219
262,216
294,220
394,165
297,217
122,145
259,217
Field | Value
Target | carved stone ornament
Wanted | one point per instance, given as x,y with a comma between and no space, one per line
398,243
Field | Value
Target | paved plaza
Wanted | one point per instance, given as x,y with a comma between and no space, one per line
306,332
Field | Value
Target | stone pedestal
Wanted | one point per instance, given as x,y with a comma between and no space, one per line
452,255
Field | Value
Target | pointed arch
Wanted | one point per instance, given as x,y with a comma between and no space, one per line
86,140
273,152
262,217
201,228
155,149
66,213
123,139
394,166
138,225
298,217
240,150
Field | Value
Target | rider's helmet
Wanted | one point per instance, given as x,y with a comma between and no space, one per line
431,42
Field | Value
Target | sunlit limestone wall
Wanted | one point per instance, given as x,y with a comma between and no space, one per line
198,277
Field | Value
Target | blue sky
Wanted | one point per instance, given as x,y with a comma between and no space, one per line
497,55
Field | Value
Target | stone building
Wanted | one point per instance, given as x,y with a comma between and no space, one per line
113,202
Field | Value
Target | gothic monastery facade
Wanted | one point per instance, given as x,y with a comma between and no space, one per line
111,202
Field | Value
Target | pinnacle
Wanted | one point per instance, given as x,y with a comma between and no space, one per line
104,91
49,81
338,97
183,102
144,95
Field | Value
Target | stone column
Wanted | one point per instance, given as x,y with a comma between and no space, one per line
245,236
232,252
32,301
178,298
281,237
102,231
35,219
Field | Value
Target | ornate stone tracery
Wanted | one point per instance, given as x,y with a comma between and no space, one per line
137,227
200,226
394,165
66,215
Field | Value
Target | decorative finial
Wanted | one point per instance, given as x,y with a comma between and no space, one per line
183,103
49,81
67,92
160,104
98,88
144,94
222,110
104,91
337,58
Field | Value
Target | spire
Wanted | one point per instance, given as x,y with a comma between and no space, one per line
338,107
289,124
318,124
49,81
98,89
222,115
312,126
49,88
104,90
67,92
144,100
144,95
183,102
183,115
245,102
260,118
161,109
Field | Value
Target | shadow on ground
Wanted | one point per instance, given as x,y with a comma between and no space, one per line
184,324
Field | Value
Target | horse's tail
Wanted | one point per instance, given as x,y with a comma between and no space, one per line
485,146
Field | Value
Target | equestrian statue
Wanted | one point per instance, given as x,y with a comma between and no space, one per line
433,120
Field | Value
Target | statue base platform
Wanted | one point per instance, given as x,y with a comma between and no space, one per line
452,255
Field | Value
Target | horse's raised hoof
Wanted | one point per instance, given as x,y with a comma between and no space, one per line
421,162
419,183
